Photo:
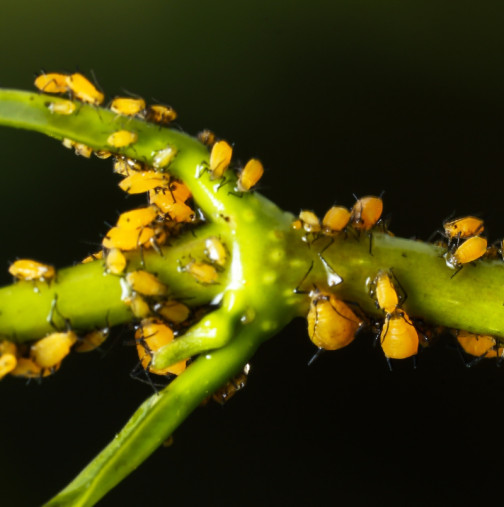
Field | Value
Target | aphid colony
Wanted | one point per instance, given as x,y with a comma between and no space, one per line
333,324
169,210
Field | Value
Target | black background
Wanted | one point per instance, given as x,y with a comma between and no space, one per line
335,98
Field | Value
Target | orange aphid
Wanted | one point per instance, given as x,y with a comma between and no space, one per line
158,113
331,323
151,336
366,212
250,175
143,181
398,337
335,220
477,345
470,250
128,239
84,90
220,158
137,218
52,82
127,106
8,357
51,350
27,269
462,228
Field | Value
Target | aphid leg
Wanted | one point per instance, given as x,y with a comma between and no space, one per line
326,247
404,295
370,234
456,271
389,363
297,290
202,168
315,356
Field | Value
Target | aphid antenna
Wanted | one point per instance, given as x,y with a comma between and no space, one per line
315,356
297,290
457,271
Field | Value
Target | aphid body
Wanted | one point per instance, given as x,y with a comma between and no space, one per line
27,269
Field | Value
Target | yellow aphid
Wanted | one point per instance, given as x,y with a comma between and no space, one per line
203,272
127,106
398,337
92,340
220,158
477,345
138,306
176,211
462,228
63,107
470,250
137,218
366,212
52,83
172,311
27,368
115,261
93,257
207,137
27,269
143,181
310,221
125,166
150,337
163,157
331,323
297,225
335,220
216,251
384,291
103,154
8,354
84,90
146,283
51,350
122,138
250,175
128,239
158,113
80,149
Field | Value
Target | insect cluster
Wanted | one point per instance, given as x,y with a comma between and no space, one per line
168,212
333,324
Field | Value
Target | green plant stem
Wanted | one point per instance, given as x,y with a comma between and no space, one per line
155,420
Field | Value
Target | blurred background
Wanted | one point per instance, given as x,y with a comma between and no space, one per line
335,98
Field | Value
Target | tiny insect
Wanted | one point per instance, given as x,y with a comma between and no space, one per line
27,269
172,311
122,138
143,181
249,175
138,306
164,157
80,149
52,82
470,250
479,346
331,323
27,368
128,239
207,137
160,114
146,283
92,340
398,337
8,357
103,154
115,262
51,350
309,221
335,220
151,336
125,166
84,90
127,106
366,213
220,158
228,390
202,272
64,107
137,218
463,228
216,251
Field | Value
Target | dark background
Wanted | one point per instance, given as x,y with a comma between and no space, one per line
335,98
